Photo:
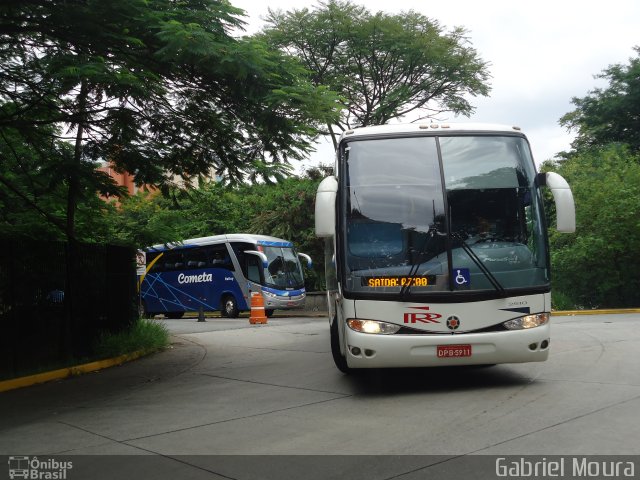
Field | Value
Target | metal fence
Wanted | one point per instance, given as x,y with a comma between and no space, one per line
57,298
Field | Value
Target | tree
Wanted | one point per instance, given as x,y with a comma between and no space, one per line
145,219
609,114
29,175
383,66
598,267
284,209
158,87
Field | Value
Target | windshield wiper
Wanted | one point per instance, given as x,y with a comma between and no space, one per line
432,233
415,266
404,290
487,273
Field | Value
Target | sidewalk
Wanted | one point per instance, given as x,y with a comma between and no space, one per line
604,311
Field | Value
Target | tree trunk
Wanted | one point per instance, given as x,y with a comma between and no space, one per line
333,137
71,336
74,173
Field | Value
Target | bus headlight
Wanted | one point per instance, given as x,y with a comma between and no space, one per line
372,326
269,294
528,321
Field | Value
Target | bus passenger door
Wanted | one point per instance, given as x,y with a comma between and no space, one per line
254,270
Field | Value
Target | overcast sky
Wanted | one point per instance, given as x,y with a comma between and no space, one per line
541,54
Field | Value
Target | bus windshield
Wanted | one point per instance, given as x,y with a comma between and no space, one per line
450,213
283,270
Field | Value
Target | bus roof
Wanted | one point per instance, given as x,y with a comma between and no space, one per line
265,240
424,127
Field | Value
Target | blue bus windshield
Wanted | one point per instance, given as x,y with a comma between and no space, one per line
283,270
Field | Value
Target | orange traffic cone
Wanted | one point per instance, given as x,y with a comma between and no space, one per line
257,314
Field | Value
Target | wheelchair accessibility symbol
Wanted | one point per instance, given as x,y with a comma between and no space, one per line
462,277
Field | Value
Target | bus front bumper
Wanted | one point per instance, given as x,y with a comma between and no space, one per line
381,351
278,302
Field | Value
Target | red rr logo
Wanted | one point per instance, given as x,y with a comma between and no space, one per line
423,317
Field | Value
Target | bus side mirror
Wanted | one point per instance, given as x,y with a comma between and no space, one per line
307,258
326,207
262,256
565,206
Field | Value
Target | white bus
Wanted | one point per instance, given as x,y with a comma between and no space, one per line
218,273
436,247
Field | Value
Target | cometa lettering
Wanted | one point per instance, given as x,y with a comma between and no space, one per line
203,277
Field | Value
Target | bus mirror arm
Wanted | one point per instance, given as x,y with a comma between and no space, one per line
307,258
263,257
565,206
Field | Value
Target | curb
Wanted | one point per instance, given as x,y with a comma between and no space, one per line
596,312
62,373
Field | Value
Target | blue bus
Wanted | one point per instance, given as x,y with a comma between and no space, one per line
219,273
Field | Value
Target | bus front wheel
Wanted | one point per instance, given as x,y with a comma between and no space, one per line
338,358
230,307
174,315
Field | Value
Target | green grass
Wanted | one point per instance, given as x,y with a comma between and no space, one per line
144,335
560,301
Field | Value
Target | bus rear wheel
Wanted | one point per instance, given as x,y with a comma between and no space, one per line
229,307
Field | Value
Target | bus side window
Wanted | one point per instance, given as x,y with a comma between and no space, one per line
157,266
195,264
238,250
253,268
219,257
172,261
195,258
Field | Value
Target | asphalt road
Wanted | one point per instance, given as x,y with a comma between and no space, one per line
226,389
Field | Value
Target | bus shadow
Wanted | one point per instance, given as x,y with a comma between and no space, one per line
394,381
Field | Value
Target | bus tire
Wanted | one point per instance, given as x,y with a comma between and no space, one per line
174,315
269,312
229,307
338,358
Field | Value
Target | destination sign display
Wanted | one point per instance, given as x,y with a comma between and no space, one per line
399,281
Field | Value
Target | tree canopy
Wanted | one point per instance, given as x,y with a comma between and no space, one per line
610,114
597,266
284,210
383,66
159,88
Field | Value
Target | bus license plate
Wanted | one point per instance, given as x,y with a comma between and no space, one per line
447,351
